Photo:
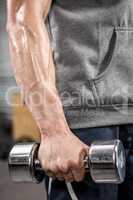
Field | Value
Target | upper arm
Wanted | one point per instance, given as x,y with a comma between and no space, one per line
27,11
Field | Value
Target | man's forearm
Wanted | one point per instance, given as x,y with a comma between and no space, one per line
34,71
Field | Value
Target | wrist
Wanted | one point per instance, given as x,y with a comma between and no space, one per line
50,128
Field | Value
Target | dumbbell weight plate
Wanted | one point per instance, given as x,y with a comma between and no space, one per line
107,161
22,161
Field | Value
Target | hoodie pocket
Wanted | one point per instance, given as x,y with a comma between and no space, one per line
114,83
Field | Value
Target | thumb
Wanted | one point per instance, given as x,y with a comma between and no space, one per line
87,149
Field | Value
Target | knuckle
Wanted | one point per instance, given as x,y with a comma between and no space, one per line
79,179
64,167
82,177
67,165
79,175
76,163
54,168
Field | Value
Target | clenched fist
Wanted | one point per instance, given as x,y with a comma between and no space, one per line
62,156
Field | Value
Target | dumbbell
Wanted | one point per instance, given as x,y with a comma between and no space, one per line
106,162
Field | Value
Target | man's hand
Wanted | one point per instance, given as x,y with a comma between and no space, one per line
62,156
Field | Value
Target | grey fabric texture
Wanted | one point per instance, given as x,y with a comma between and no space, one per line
92,43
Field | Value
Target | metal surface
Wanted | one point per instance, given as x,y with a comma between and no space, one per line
107,161
21,163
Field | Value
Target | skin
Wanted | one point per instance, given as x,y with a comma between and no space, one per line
61,153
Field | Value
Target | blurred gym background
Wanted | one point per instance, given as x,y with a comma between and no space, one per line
16,123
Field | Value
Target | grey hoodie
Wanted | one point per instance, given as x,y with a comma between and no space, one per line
92,42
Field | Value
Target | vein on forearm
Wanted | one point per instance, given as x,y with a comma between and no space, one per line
34,69
31,57
35,73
